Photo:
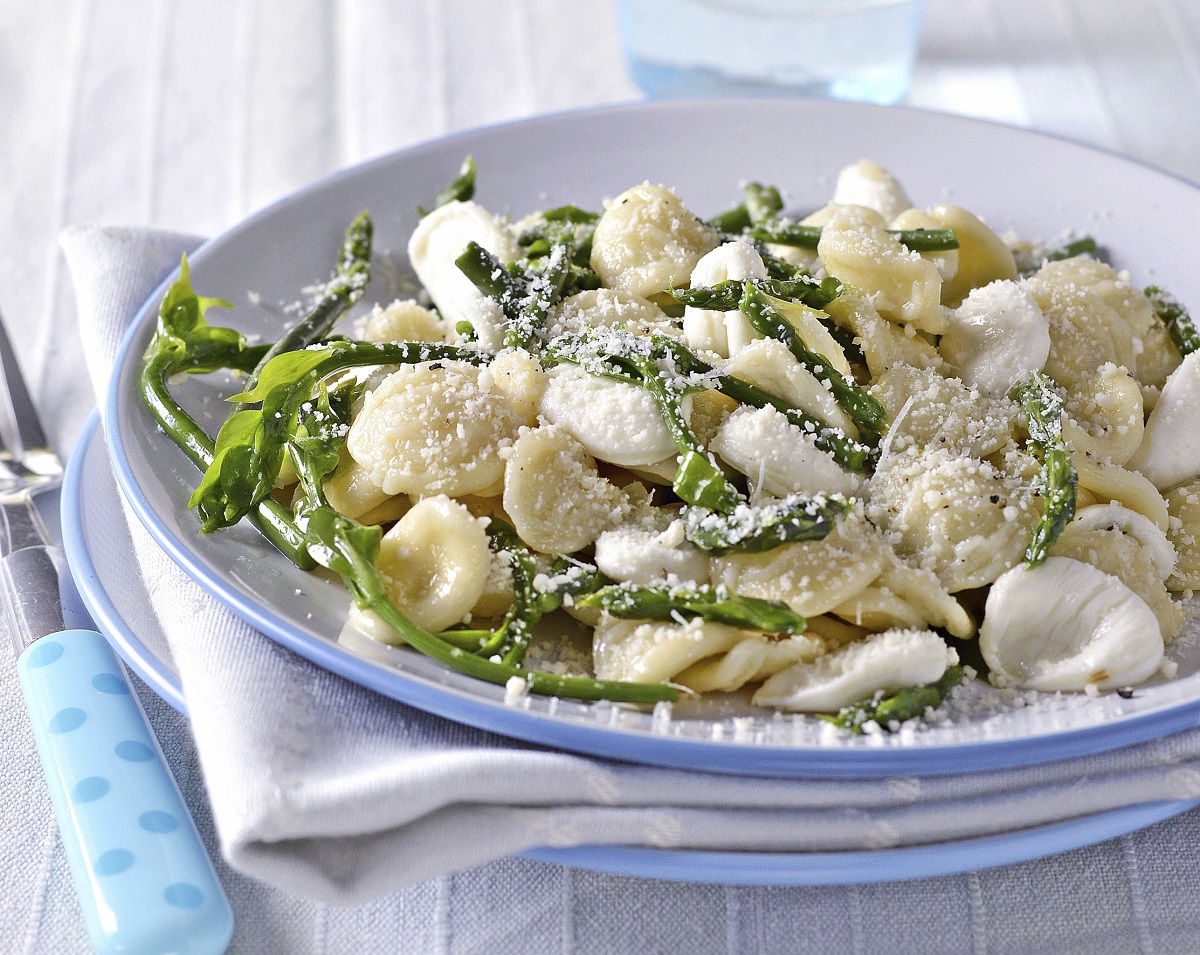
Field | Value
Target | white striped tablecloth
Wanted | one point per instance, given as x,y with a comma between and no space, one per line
190,115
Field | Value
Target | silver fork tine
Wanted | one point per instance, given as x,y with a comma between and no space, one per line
24,451
22,431
30,463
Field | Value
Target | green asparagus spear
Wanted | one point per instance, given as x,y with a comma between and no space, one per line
524,298
756,528
1084,246
759,203
762,202
783,232
1056,478
511,639
316,426
567,226
351,275
350,549
904,705
251,444
635,602
726,296
698,479
184,341
1172,314
867,413
850,454
461,189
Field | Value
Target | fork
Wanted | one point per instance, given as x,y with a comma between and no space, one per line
144,880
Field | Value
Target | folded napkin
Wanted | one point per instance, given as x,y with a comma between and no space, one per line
334,792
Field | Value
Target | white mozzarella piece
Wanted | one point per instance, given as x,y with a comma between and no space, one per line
711,330
777,456
732,261
1066,625
644,556
437,241
886,662
616,422
704,331
1170,450
868,184
996,337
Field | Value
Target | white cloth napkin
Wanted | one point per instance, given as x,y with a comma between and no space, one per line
331,791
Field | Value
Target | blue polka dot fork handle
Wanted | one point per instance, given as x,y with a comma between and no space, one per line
144,880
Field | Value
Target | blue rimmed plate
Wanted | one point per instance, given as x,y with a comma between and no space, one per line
1143,217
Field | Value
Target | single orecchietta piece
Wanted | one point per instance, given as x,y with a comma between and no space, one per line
434,428
904,287
406,320
647,241
1066,625
557,500
435,561
652,651
882,663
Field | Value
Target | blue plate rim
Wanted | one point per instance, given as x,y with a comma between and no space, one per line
136,654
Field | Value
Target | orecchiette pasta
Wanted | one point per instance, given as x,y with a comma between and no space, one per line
932,413
647,241
884,662
983,257
884,345
957,516
630,650
433,430
811,577
605,308
905,287
554,495
1104,418
1183,504
808,472
435,562
405,321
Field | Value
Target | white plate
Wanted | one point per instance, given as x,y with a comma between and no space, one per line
101,552
1015,179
